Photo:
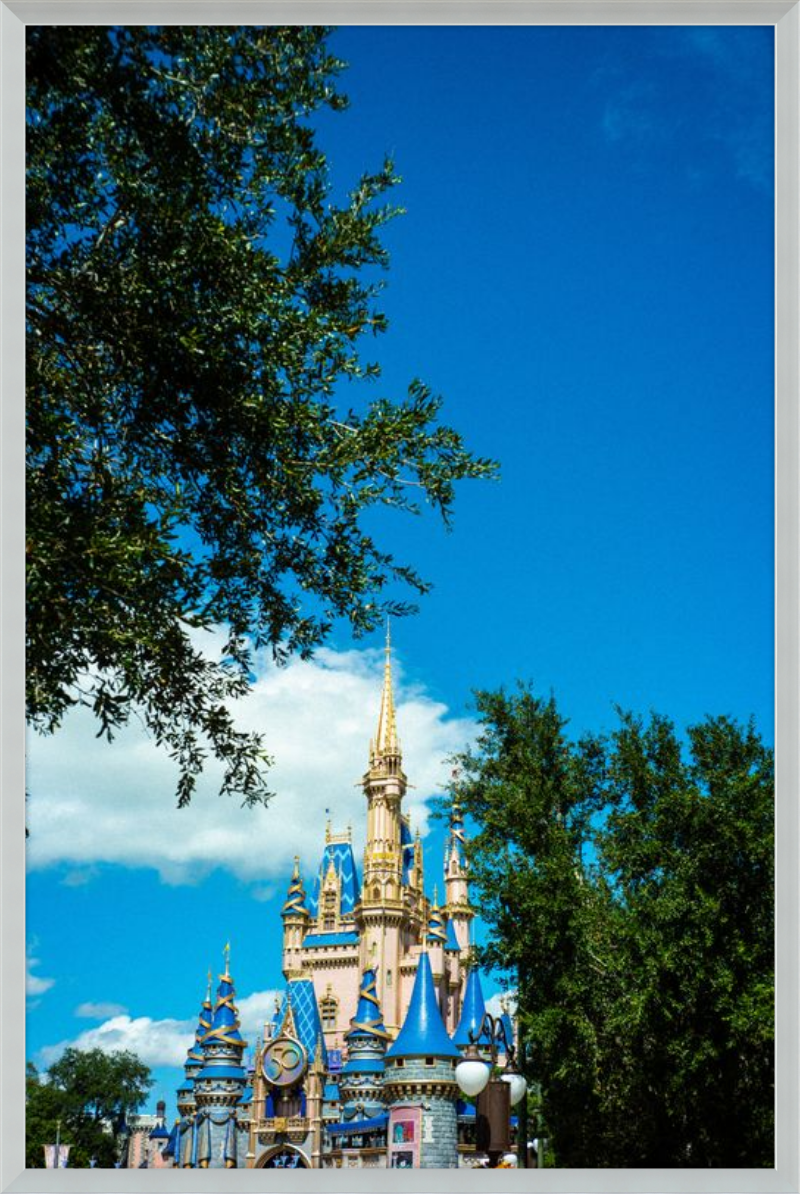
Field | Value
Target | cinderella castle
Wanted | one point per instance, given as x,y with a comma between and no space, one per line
357,1065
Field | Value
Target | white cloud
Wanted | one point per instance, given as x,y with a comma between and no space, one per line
502,1001
157,1042
254,1012
92,802
99,1011
34,983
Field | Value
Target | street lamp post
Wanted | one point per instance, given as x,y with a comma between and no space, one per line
495,1095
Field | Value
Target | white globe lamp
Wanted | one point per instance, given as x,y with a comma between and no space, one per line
517,1087
472,1075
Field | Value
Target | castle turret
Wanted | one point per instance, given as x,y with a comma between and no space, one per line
419,1084
362,1074
295,917
459,909
220,1083
382,906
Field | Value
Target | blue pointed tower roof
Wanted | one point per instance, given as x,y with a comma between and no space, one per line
423,1032
296,895
473,1009
368,1020
451,941
224,1028
171,1147
508,1026
340,854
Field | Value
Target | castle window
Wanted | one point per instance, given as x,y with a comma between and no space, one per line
429,1061
328,923
328,1009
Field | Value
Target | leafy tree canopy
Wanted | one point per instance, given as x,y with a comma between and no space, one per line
628,883
89,1094
195,301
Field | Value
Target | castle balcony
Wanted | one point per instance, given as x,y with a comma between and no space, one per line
293,1128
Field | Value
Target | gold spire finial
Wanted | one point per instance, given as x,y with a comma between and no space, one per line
386,737
296,871
210,980
435,895
227,953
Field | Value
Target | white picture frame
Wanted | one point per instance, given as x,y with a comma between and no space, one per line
784,15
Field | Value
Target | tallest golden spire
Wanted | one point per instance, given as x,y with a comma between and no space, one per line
385,743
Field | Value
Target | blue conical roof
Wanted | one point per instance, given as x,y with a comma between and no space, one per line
225,1024
171,1147
295,896
473,1009
423,1032
368,1020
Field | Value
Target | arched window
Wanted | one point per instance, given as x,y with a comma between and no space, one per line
328,1009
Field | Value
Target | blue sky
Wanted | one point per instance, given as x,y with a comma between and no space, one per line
585,274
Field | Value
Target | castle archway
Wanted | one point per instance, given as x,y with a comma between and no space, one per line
283,1156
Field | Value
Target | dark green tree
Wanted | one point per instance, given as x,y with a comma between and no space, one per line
90,1093
196,301
628,883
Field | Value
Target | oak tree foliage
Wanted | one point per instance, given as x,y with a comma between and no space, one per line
197,300
87,1095
627,880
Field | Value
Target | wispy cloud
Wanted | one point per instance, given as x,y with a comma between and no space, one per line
99,1011
92,802
702,94
35,985
156,1042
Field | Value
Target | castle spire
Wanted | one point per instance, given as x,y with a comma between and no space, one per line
382,894
295,904
385,743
